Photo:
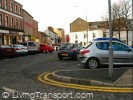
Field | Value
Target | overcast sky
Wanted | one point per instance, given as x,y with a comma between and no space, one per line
60,13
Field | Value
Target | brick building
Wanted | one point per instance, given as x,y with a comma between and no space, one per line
11,22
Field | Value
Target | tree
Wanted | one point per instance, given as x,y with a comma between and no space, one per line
121,13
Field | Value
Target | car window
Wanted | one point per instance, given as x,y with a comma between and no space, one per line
63,45
119,47
102,45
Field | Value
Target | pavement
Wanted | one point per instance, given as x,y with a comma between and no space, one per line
121,77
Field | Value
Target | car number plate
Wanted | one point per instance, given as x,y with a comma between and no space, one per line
64,54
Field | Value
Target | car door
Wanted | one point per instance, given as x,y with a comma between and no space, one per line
102,52
122,54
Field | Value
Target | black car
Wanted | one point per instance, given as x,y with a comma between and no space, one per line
68,50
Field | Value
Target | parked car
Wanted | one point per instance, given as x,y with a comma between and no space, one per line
46,48
68,50
32,46
96,53
6,50
20,49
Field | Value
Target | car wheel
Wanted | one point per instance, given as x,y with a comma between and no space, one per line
92,63
44,51
76,57
60,57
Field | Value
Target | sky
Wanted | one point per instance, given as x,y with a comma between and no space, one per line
60,13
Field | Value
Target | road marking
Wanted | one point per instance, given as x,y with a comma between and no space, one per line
46,80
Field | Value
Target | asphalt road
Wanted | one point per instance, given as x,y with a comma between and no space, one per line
20,74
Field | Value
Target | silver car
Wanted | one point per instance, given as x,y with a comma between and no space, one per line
20,49
96,53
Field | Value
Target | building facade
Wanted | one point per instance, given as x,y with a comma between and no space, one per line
11,22
52,36
80,33
28,25
61,34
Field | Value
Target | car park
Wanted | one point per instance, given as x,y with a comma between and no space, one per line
96,53
6,50
20,49
46,48
32,46
68,50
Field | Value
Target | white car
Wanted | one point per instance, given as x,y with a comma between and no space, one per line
20,49
97,53
32,46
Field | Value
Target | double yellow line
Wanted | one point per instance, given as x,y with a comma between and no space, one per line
46,80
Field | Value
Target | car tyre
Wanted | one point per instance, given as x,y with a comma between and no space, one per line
60,57
92,63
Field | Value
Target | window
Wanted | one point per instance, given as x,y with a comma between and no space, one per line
6,21
0,19
104,34
12,22
16,23
6,4
16,9
76,36
11,7
21,24
94,35
0,3
20,11
119,47
102,45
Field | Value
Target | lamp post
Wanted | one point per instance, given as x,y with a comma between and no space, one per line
110,44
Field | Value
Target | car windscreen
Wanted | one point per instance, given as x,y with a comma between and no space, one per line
24,44
32,44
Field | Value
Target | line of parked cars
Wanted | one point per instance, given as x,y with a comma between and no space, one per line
24,48
96,52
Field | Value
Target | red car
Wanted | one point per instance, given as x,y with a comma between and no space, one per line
6,50
46,48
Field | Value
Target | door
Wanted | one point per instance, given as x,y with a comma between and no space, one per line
122,54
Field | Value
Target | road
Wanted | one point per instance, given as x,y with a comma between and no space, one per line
20,74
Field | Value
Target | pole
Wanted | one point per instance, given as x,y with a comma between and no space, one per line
110,44
132,21
87,24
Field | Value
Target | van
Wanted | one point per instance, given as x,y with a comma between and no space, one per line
31,45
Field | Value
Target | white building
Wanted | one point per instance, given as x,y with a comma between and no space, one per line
83,32
53,37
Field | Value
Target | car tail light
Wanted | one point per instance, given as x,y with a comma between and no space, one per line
17,49
85,51
73,50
